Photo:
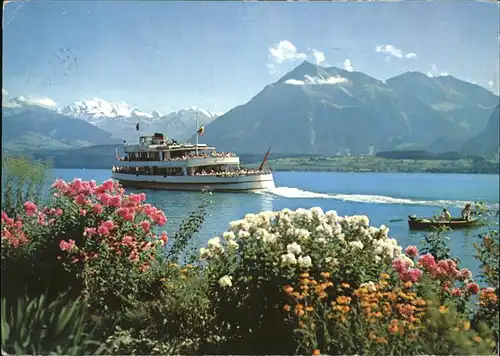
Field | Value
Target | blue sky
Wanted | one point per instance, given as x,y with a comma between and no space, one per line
216,55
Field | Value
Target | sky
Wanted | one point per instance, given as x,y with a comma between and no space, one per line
159,55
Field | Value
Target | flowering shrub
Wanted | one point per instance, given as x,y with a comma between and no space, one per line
488,253
250,264
104,238
334,285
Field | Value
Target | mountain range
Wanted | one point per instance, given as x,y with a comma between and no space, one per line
327,110
310,110
89,122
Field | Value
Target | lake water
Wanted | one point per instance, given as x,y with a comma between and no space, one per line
381,196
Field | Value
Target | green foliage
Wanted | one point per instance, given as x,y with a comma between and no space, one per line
24,179
182,246
435,243
37,326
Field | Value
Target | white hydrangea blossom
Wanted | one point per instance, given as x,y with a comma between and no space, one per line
304,262
356,244
298,234
226,281
294,248
288,259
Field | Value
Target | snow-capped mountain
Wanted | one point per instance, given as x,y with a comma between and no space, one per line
120,119
97,108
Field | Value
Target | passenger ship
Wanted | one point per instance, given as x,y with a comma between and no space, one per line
157,163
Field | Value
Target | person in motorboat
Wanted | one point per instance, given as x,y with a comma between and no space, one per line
467,212
445,215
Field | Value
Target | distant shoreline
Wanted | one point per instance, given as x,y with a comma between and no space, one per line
318,169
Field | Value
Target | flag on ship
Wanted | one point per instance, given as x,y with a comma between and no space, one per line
137,126
201,131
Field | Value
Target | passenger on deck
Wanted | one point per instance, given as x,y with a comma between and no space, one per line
445,215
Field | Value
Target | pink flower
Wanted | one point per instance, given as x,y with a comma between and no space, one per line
127,240
473,288
164,237
414,274
465,274
427,261
89,231
411,251
30,208
456,292
104,198
146,225
59,211
66,246
399,266
83,212
97,209
105,227
115,201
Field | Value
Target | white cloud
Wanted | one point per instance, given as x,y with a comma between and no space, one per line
392,51
4,92
308,80
29,101
491,84
318,56
348,65
435,72
285,51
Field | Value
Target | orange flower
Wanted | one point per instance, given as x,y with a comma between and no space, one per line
309,309
316,352
392,329
304,275
443,309
407,284
288,289
467,325
286,308
477,338
325,274
344,285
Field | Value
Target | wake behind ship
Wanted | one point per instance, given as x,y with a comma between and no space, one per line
157,163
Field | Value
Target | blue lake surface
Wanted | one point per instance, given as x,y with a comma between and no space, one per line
381,196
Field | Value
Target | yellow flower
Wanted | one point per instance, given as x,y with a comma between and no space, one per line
384,276
325,275
467,325
309,309
344,285
477,338
304,275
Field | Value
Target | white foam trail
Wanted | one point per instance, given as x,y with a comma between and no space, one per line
288,192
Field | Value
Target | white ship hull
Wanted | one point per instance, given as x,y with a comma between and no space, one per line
199,182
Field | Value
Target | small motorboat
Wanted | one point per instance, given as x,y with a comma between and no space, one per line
428,223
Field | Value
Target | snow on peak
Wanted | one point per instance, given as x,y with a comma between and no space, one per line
97,107
205,112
